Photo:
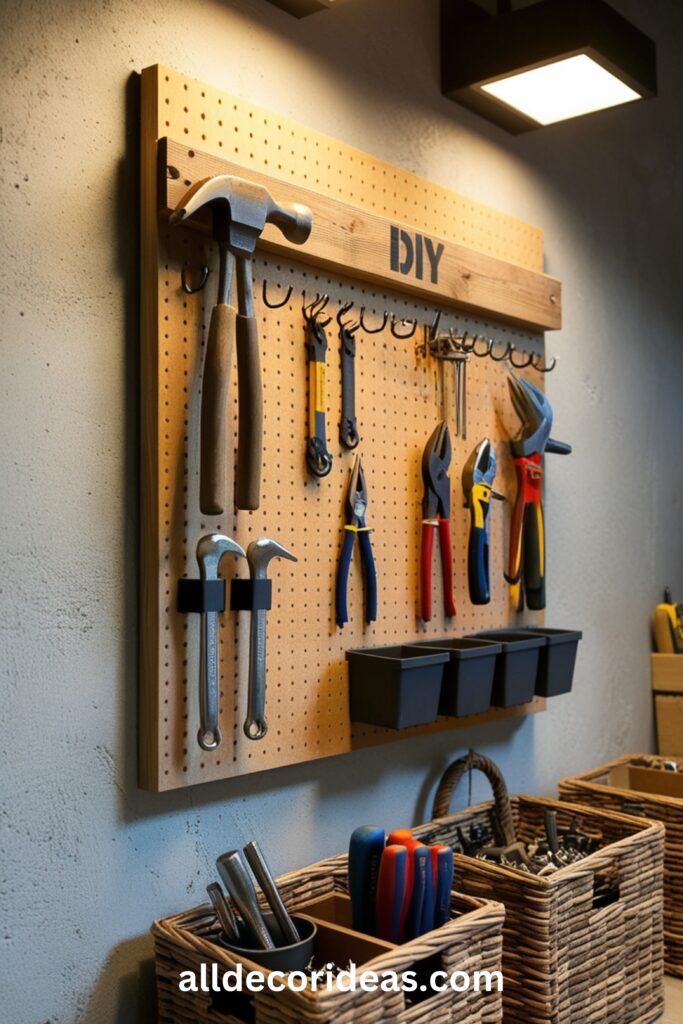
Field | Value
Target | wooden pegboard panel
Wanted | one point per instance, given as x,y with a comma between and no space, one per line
399,400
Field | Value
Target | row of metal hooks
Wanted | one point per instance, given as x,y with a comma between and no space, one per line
449,345
314,310
401,329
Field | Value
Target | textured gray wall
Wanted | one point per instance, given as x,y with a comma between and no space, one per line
87,860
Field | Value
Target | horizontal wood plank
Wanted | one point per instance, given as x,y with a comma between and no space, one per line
373,248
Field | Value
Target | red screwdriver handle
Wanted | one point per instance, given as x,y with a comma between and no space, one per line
447,566
428,529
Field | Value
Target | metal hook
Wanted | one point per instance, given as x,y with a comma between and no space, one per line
313,310
543,369
467,348
275,305
406,323
434,328
188,289
351,326
499,359
519,366
488,342
372,330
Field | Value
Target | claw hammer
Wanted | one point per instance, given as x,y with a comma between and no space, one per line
240,211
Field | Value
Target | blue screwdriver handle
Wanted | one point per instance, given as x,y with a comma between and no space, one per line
343,576
442,863
421,858
370,576
365,854
427,922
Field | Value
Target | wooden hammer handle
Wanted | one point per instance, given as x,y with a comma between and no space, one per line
250,442
213,477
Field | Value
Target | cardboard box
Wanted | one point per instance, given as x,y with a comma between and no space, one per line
669,709
667,673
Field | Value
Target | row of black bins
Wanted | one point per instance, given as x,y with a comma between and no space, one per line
412,684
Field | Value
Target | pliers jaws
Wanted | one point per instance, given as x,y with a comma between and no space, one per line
356,495
436,459
480,469
356,505
436,511
536,414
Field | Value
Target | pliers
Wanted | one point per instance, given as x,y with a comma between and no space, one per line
477,484
436,511
356,507
526,566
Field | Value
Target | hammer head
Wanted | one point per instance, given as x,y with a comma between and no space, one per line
259,554
240,211
210,549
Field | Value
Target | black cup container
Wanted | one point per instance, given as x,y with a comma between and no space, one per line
467,685
557,660
395,687
282,958
516,672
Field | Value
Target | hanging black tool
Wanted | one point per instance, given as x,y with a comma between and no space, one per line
318,458
477,484
356,507
348,428
526,568
240,211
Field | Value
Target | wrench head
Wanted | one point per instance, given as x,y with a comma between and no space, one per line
259,554
210,549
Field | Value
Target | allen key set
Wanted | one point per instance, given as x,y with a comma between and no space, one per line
328,413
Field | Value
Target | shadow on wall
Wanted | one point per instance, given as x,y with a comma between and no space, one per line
126,988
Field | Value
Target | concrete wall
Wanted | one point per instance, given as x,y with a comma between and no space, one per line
87,860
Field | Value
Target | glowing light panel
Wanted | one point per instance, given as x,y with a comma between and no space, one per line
567,88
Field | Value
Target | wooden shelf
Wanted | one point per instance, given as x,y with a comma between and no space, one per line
347,239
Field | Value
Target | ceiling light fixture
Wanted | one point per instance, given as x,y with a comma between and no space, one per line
548,62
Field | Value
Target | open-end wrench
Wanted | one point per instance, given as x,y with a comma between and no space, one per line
210,551
259,554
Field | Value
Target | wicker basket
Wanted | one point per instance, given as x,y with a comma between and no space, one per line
566,961
470,942
599,788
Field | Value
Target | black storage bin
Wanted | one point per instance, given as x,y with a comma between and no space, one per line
467,677
516,666
395,687
556,661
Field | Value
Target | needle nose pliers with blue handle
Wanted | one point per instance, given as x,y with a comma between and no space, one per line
356,506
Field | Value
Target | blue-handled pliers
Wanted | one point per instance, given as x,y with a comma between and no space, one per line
356,506
477,484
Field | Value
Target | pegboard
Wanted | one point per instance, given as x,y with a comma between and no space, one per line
400,396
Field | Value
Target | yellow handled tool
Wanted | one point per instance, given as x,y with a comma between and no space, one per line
667,624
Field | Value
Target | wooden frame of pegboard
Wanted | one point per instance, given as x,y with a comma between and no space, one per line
490,270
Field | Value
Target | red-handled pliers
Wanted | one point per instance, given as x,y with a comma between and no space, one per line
436,512
526,566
